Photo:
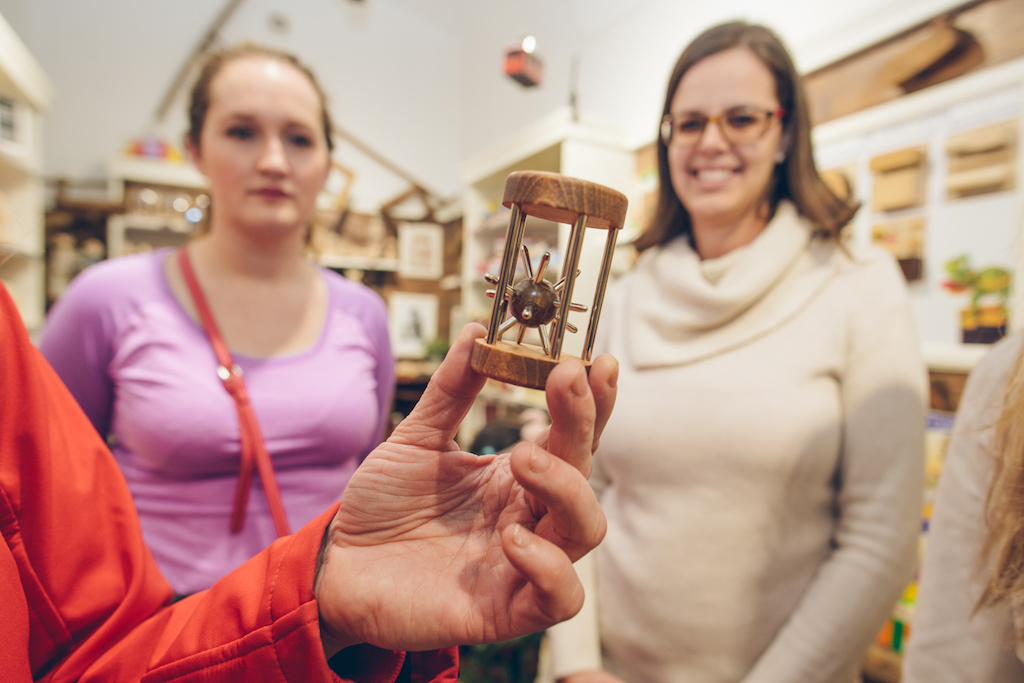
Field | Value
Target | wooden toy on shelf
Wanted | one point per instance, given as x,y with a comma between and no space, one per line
534,302
899,179
982,160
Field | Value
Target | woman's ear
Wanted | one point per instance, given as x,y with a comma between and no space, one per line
784,143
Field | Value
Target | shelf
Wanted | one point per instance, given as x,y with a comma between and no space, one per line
410,371
164,231
27,89
510,394
10,250
342,262
496,222
959,358
15,163
139,221
534,226
156,172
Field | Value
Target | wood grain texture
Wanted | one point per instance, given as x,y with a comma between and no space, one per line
899,189
854,82
519,364
1001,136
559,198
925,50
913,156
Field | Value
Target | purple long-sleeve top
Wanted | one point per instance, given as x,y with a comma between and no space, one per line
144,372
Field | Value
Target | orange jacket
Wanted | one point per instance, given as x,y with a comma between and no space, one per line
81,598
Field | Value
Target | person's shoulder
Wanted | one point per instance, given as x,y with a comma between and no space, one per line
117,279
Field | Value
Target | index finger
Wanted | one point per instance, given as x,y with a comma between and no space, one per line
573,415
603,381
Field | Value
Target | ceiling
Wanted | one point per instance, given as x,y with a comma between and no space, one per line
418,81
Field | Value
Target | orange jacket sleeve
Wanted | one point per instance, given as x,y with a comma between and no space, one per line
81,598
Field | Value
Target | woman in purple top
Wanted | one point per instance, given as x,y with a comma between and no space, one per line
313,346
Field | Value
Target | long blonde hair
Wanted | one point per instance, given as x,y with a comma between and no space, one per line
1004,509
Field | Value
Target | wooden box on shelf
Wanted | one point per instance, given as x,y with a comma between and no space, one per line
982,160
899,179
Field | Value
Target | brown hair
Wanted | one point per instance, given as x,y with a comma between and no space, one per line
796,178
1004,508
199,102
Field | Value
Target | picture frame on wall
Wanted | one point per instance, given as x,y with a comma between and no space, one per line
421,250
413,322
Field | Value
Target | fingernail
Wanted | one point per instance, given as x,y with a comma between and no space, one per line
540,461
579,385
519,536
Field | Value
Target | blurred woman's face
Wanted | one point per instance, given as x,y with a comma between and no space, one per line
262,146
725,134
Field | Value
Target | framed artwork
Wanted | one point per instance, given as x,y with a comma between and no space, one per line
412,319
421,250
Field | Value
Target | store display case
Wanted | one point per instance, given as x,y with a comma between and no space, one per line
163,203
25,93
912,164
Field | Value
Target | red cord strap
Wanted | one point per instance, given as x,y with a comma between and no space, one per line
254,451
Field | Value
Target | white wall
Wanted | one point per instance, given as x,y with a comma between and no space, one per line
987,227
418,80
388,73
627,49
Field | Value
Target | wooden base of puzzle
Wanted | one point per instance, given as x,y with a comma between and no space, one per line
520,364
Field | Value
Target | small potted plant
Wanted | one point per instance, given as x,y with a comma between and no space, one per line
983,320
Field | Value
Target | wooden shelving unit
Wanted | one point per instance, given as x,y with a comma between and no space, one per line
25,94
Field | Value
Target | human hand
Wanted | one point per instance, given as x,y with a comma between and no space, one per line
434,547
591,677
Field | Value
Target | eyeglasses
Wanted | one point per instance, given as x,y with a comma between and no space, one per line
739,125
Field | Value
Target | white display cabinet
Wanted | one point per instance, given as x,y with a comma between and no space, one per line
157,196
561,143
25,94
986,227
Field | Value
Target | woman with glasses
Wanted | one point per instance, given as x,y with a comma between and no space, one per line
762,474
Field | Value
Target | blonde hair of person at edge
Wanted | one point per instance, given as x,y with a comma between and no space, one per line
763,472
312,346
969,619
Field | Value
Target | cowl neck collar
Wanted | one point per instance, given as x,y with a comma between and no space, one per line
682,309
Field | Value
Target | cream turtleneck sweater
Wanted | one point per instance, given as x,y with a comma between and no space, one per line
762,470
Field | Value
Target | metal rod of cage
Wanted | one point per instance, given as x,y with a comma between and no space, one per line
569,268
513,241
602,284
